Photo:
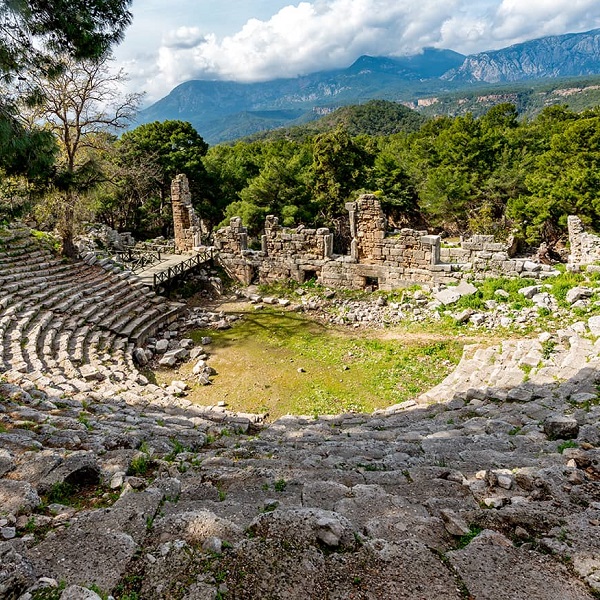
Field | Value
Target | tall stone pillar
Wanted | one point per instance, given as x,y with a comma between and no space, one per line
186,223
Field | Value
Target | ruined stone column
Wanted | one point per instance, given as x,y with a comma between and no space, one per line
367,227
186,223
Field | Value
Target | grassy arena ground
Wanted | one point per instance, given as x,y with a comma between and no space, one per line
281,362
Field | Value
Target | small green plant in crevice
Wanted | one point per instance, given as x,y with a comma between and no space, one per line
140,465
526,372
30,525
562,535
85,420
178,448
514,431
280,485
49,593
567,444
544,312
548,348
61,492
94,588
222,494
28,425
465,540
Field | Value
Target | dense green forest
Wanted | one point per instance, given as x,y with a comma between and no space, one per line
498,173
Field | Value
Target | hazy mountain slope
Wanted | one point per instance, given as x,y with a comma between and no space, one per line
225,110
568,55
212,106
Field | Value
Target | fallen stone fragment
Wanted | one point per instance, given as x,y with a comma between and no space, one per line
594,325
162,346
139,355
463,316
454,524
448,296
16,572
558,427
578,293
7,462
196,527
530,291
305,526
168,361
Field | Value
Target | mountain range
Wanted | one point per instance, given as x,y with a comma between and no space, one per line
227,110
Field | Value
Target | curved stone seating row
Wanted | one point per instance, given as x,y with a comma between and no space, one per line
472,497
71,326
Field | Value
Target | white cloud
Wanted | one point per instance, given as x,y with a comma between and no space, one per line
517,20
325,34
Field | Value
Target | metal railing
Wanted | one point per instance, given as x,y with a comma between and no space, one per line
194,261
138,258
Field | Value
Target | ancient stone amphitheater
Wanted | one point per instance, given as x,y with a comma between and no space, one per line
487,487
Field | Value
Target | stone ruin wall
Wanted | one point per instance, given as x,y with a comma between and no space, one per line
186,224
379,259
297,253
585,247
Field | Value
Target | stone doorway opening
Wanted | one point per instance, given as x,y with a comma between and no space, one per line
371,284
307,275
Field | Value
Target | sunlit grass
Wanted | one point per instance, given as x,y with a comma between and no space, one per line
281,362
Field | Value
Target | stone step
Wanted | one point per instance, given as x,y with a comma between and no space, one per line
140,329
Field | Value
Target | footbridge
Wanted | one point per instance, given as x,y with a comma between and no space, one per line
156,267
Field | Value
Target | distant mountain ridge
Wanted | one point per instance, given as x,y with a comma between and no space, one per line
570,55
227,110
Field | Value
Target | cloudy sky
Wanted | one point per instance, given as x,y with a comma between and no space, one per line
252,40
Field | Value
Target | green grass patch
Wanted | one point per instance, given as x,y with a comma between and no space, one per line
289,288
567,444
49,593
486,290
562,283
49,240
283,363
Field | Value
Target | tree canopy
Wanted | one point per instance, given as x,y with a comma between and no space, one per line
34,32
38,38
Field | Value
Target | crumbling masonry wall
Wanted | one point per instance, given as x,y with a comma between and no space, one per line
186,224
285,253
376,259
585,247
